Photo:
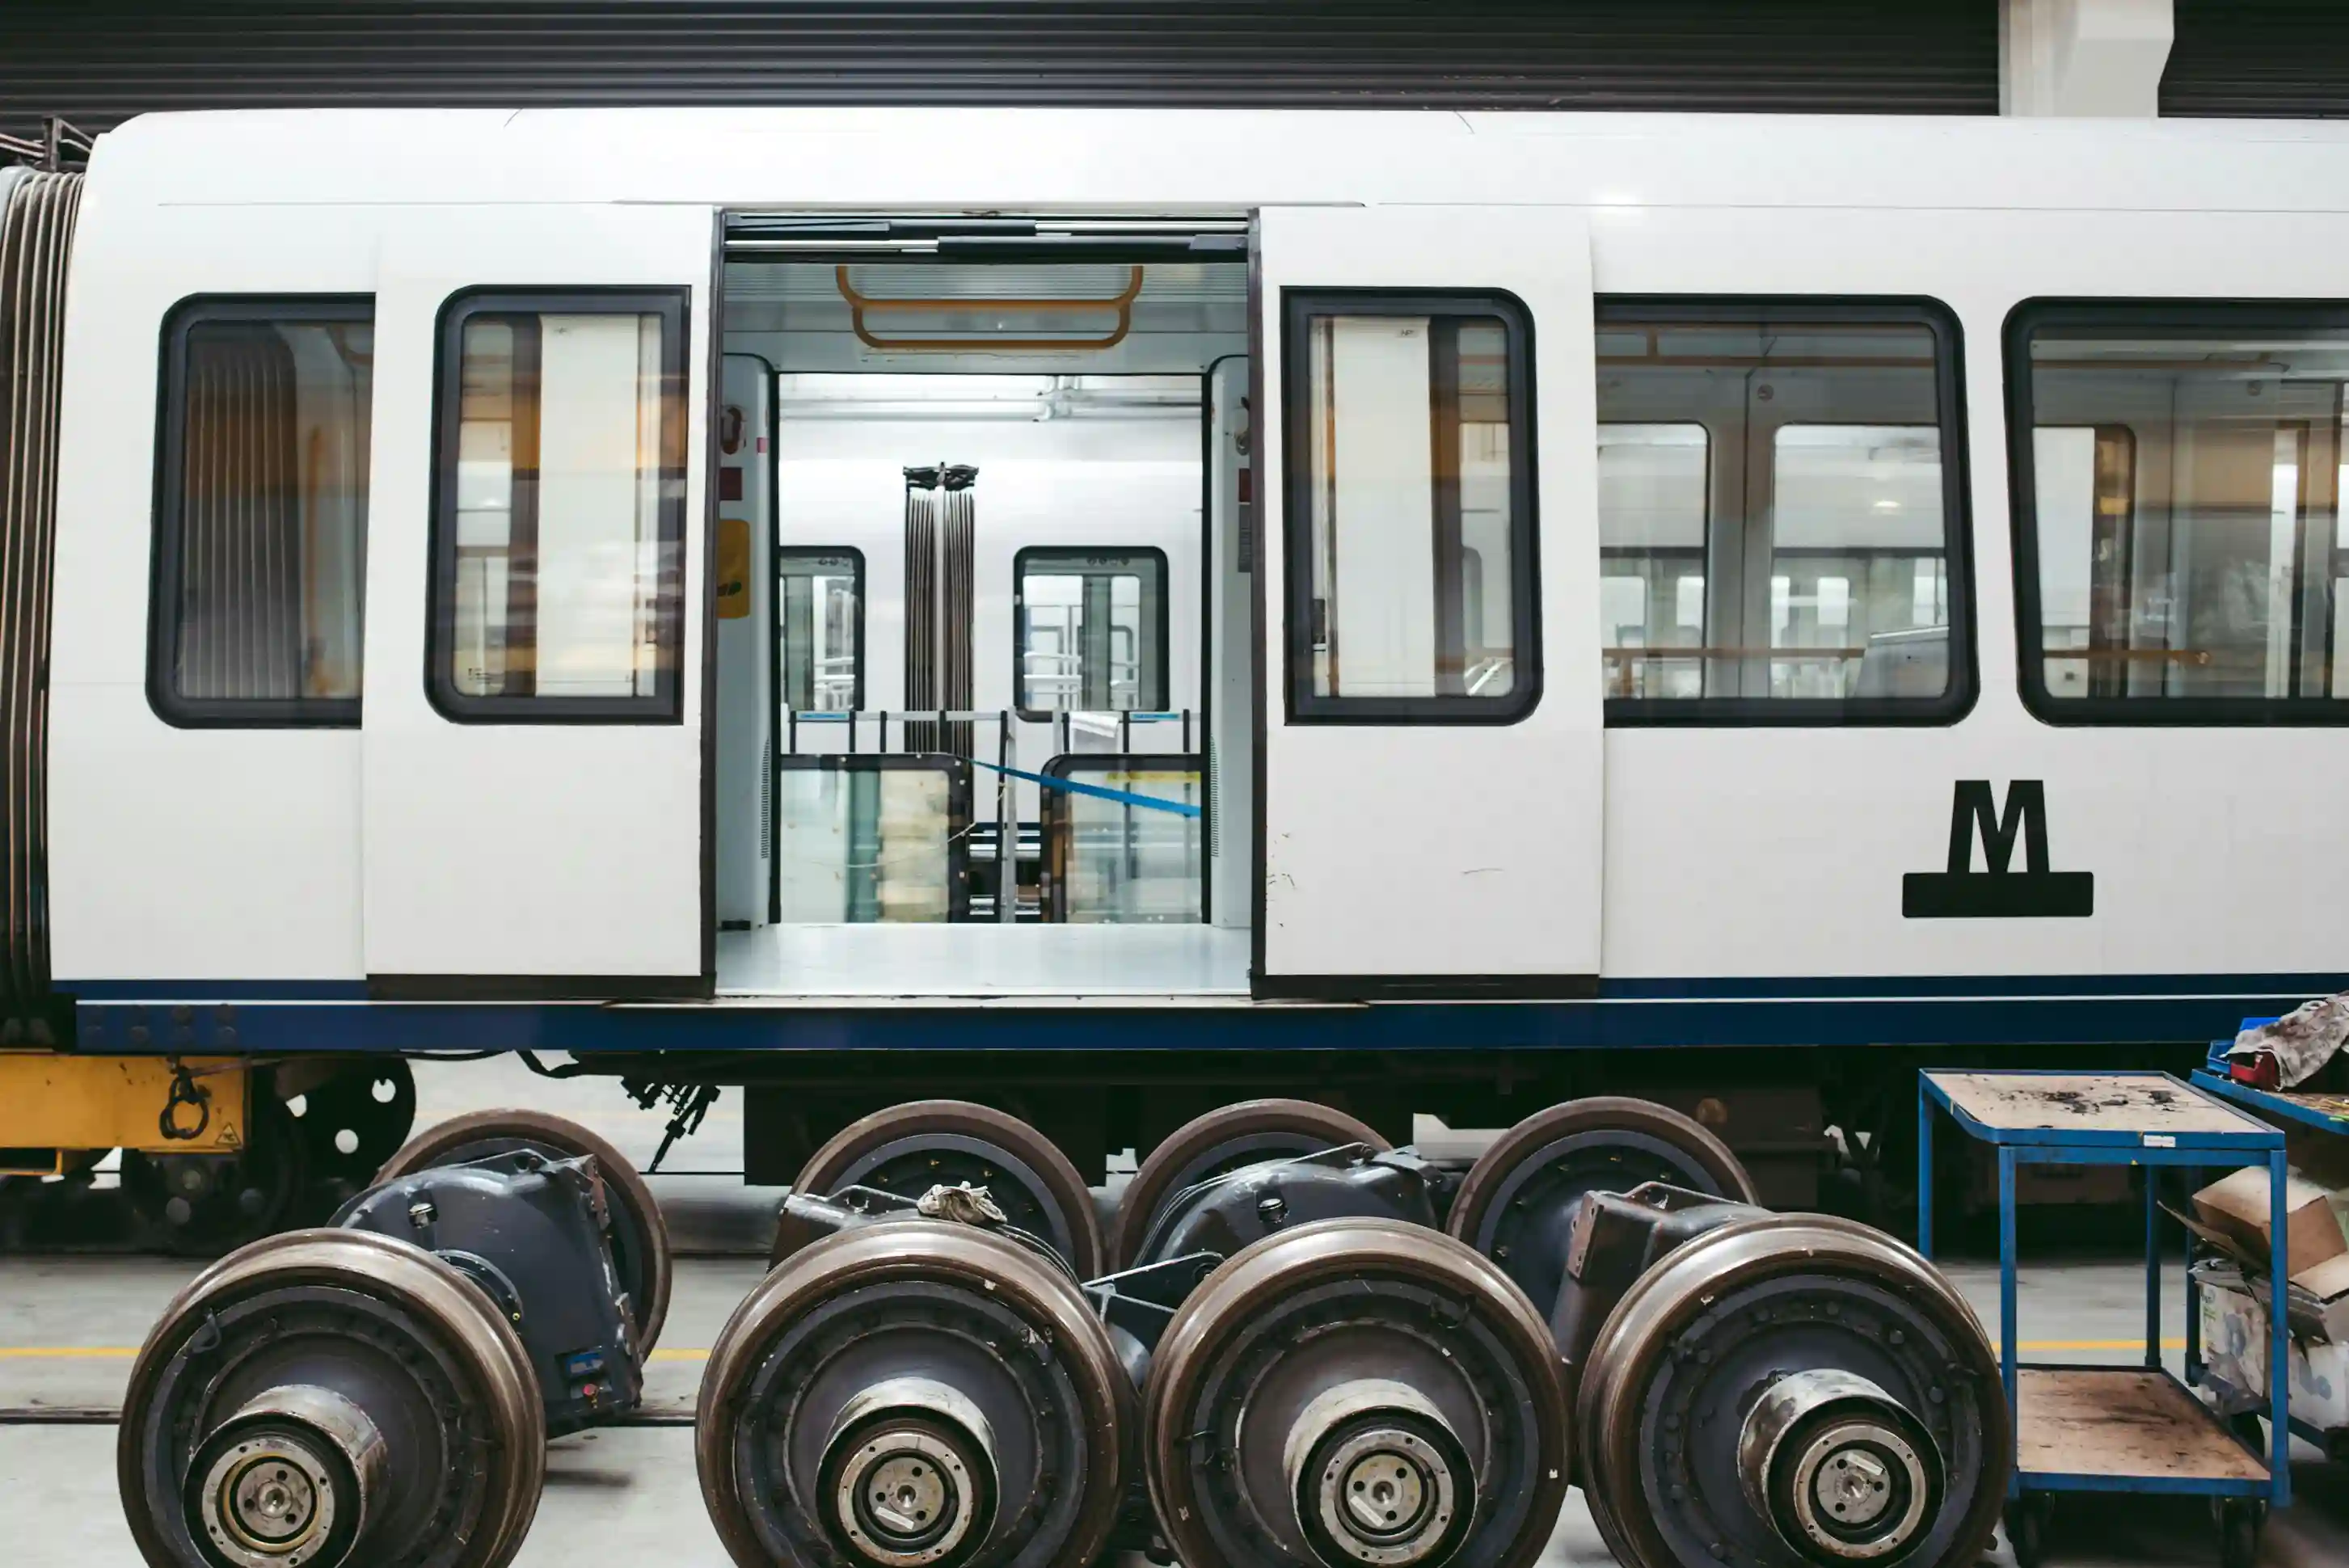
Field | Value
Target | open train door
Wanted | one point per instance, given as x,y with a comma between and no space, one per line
534,698
1431,784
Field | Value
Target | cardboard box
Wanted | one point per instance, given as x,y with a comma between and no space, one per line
2236,1206
2235,1347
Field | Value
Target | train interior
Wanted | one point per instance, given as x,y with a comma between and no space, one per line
983,621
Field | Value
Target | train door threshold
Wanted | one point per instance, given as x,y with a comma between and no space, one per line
983,959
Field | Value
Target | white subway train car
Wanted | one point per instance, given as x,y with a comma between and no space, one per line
1101,612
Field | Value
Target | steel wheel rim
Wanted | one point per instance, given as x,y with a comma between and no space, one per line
911,1147
1225,1140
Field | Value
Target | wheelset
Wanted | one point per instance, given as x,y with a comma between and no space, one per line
380,1391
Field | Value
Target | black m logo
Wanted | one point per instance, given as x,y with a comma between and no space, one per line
1998,891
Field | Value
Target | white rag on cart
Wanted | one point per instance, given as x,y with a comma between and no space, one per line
2302,1041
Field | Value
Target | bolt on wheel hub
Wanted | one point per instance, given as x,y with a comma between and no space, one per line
264,1500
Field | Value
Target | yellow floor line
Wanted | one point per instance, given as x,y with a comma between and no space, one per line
124,1352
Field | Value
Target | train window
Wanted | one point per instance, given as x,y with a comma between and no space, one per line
821,628
2181,552
559,526
1780,537
1411,567
261,519
1091,630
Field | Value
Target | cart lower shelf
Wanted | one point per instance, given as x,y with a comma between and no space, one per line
2075,1426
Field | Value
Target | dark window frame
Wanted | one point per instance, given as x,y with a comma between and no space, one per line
1020,559
2178,316
165,542
783,552
1949,395
666,703
1303,705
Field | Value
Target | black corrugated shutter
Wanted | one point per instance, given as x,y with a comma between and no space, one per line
2287,59
99,63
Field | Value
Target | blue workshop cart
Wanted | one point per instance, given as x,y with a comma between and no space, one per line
2116,1429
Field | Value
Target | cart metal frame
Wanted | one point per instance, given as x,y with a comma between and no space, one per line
2144,1118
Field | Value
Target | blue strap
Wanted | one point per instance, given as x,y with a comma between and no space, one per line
1099,792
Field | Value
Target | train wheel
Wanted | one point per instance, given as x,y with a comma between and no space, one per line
909,1148
1517,1203
328,1398
1793,1384
1225,1140
1358,1394
350,1124
201,1205
914,1394
640,1253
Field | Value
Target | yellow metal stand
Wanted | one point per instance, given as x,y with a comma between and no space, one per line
58,1110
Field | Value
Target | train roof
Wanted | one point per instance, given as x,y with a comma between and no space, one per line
1168,161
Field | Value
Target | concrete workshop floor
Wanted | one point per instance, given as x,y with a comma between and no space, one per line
620,1498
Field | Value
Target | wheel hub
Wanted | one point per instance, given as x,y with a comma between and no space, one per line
915,1474
288,1481
1843,1472
1379,1476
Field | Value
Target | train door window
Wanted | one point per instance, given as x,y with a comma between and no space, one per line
1092,631
1781,538
820,619
560,518
2181,553
1410,540
261,518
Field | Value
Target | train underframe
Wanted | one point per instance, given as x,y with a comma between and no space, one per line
214,1150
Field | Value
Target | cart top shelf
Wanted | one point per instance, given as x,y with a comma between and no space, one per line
2139,1108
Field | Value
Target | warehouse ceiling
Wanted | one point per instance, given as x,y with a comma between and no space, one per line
99,63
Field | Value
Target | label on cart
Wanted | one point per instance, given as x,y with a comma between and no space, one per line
2160,1141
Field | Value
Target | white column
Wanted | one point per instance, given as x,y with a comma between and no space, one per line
2082,56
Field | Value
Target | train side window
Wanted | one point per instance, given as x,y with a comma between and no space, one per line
261,515
820,622
1781,538
1091,630
1411,567
559,518
2181,555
